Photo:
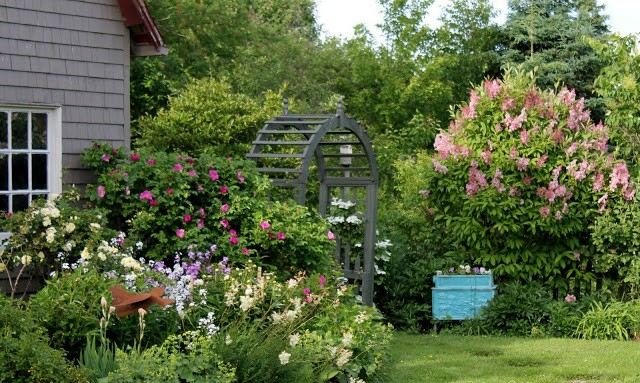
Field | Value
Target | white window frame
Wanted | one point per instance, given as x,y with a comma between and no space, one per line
53,151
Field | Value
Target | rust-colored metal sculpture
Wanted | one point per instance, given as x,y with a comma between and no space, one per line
128,303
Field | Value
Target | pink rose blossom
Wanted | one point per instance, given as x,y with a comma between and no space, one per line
135,157
570,298
331,236
265,225
200,223
322,280
180,233
153,202
169,191
306,291
281,236
233,233
186,218
201,212
213,174
101,191
192,173
527,180
240,177
224,208
224,189
233,240
178,167
105,157
151,162
245,251
224,223
146,196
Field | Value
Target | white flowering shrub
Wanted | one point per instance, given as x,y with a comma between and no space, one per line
48,236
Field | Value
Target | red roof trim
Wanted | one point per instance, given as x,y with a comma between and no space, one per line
135,13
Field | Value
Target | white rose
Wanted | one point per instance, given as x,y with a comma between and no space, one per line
284,357
69,227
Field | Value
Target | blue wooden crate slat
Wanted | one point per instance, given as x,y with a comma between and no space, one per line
460,297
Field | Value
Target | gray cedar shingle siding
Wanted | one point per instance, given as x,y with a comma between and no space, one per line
73,53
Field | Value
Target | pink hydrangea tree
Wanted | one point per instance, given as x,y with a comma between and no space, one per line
518,177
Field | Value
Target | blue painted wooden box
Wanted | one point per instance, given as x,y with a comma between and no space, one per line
461,296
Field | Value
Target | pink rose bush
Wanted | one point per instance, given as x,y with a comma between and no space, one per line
170,201
517,179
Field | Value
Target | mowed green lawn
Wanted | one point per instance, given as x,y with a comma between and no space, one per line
458,359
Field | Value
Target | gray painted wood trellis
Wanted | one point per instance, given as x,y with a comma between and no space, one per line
285,150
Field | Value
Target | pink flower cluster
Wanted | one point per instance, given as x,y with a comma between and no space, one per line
514,123
620,178
445,147
477,180
439,167
492,87
469,111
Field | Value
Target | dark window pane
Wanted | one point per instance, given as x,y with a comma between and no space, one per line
20,202
39,171
4,131
4,202
19,131
20,171
38,130
4,172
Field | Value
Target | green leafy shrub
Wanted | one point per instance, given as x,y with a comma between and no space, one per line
419,250
25,355
178,359
170,202
68,307
615,320
619,86
207,114
616,238
516,181
517,309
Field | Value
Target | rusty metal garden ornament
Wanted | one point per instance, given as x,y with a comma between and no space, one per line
128,303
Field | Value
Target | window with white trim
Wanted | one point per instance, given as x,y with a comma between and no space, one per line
30,155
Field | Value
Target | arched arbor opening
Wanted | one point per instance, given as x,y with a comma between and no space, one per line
292,147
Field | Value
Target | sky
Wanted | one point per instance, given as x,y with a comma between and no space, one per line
338,17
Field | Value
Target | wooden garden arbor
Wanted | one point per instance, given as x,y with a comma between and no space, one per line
291,147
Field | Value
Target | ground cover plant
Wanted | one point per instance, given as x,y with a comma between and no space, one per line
446,358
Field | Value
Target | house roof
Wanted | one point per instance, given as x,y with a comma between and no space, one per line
145,36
